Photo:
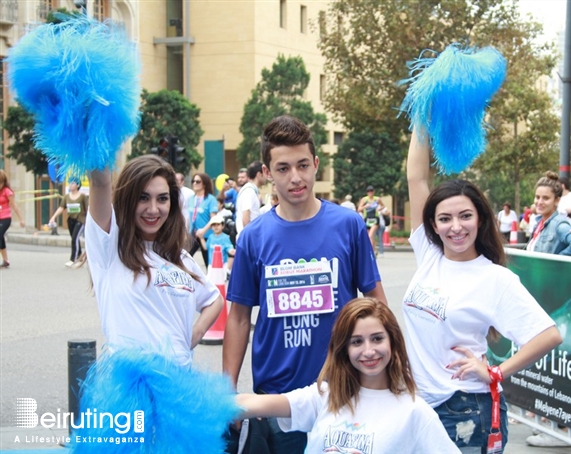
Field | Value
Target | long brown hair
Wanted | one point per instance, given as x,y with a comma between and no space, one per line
4,179
171,238
340,375
488,242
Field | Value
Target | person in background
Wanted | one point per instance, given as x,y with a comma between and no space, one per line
7,205
248,202
369,208
506,217
274,200
347,203
241,179
148,288
552,234
384,217
230,192
461,292
364,395
203,206
564,206
219,238
302,232
185,196
75,203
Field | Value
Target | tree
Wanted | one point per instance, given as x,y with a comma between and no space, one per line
169,112
279,92
367,45
355,164
19,124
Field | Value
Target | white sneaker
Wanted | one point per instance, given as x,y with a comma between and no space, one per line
69,264
544,440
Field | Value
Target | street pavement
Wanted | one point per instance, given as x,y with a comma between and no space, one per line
44,304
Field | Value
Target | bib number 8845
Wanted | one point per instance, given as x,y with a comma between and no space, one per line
294,300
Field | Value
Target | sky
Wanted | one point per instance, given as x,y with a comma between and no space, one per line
549,12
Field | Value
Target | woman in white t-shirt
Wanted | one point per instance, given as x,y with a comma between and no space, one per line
148,288
363,400
459,293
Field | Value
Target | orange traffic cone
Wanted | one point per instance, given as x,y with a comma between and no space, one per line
215,334
386,239
513,233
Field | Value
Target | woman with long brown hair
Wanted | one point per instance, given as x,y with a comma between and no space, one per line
7,205
147,286
552,233
459,292
364,397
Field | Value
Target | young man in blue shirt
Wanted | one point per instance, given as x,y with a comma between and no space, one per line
300,263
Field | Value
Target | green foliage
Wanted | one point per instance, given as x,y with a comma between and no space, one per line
367,44
367,158
169,112
279,92
19,124
61,15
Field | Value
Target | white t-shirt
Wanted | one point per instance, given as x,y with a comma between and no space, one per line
564,204
158,316
247,200
383,422
506,220
453,304
185,195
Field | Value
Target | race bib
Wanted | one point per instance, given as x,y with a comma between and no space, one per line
73,208
299,288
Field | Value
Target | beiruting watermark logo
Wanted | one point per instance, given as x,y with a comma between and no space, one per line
122,422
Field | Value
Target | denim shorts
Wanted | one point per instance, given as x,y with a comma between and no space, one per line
467,417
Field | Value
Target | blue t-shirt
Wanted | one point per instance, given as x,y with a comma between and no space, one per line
200,210
224,241
288,352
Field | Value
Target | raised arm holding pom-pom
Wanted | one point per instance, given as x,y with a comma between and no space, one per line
459,293
147,287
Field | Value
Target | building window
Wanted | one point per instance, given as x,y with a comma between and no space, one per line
45,7
303,19
100,10
321,87
337,138
283,13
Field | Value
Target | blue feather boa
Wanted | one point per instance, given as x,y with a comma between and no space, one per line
185,411
447,99
80,80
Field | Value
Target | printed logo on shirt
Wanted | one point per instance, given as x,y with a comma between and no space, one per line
340,439
171,276
429,300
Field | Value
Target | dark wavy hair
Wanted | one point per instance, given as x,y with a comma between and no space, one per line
285,130
171,238
206,183
340,375
488,242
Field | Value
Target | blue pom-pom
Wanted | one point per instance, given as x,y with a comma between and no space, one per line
447,99
185,411
80,80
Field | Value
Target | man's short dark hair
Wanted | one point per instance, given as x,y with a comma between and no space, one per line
288,131
565,182
253,169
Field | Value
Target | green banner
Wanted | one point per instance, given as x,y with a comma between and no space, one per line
545,387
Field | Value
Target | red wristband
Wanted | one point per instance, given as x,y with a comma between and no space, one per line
496,374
